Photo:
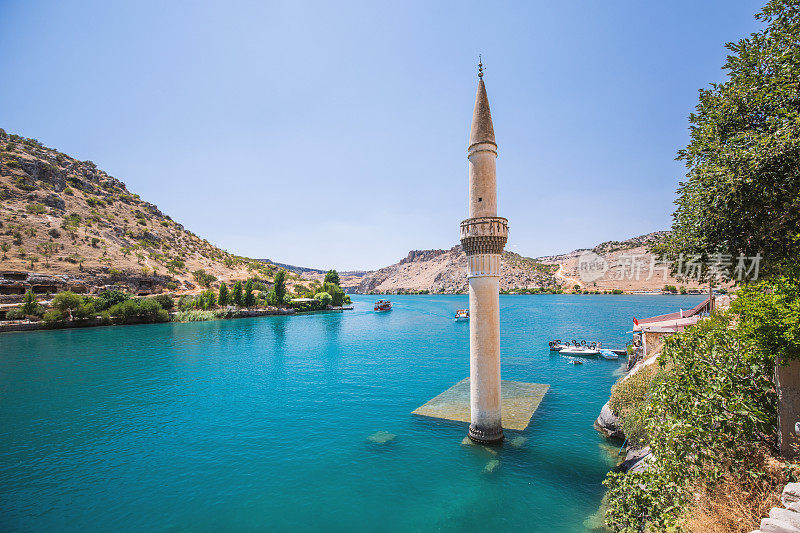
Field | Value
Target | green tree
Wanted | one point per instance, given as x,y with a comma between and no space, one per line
203,278
238,298
164,300
48,249
249,297
332,277
224,295
337,294
5,247
742,195
207,300
323,298
67,302
30,305
109,298
280,286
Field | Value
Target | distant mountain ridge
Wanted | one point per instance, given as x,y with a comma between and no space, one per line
309,270
444,271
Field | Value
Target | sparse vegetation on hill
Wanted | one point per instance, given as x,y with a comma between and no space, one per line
60,216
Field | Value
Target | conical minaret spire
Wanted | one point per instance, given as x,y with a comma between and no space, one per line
482,127
483,237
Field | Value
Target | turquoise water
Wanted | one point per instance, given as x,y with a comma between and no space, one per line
263,424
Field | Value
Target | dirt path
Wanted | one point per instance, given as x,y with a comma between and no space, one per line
560,275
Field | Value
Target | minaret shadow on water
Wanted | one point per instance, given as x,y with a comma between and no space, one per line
483,237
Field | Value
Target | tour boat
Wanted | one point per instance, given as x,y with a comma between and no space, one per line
608,354
462,314
383,305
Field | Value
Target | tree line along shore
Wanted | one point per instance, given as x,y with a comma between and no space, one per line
112,306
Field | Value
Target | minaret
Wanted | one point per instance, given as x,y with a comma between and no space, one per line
483,236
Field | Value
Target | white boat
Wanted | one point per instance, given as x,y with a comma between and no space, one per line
557,345
608,354
462,314
583,351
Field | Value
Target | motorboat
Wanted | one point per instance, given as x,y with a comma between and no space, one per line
582,351
383,305
557,345
462,314
608,354
575,347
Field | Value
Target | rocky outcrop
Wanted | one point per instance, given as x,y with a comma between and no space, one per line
790,494
444,271
608,424
636,460
786,519
421,255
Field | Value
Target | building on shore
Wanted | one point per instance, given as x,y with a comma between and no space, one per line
648,333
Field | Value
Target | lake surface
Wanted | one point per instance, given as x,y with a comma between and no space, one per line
263,423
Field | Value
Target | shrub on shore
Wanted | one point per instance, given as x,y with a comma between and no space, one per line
108,298
164,300
145,309
323,298
15,314
628,397
196,315
53,317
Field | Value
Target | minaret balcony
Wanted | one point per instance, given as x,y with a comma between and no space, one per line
484,235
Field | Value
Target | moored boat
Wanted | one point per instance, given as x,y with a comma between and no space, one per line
608,354
383,305
462,314
557,346
584,350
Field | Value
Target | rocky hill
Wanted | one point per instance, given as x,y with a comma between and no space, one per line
64,223
444,271
626,265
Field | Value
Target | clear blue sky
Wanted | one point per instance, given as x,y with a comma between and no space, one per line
334,134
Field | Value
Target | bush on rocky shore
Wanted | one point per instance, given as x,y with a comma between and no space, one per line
709,414
628,396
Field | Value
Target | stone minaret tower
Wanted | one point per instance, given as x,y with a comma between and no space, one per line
483,236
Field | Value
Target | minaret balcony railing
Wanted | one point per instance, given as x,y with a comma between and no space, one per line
484,235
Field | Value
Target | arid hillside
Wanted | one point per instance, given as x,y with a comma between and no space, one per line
625,265
65,223
444,271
